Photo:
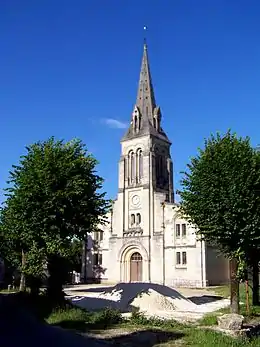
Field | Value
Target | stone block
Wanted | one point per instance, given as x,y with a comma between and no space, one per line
231,321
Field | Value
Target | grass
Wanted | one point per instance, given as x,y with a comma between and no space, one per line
254,311
224,291
78,319
12,290
169,333
194,335
203,338
212,318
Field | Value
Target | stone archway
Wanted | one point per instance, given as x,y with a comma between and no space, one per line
136,267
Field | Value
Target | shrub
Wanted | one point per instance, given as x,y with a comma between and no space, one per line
74,314
107,317
138,318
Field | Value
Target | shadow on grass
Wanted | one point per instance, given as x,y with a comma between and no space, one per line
77,326
38,306
82,321
146,337
82,326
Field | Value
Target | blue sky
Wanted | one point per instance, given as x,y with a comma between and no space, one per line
66,67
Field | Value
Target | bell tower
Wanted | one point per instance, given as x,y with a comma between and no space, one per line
145,166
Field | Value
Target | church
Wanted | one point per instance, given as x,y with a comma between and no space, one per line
146,239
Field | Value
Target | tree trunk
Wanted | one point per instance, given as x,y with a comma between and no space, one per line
22,279
83,262
34,283
255,289
58,273
234,286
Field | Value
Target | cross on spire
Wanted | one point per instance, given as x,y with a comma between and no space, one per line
145,28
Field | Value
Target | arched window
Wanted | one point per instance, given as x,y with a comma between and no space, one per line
161,168
129,167
136,257
132,167
165,167
138,219
126,168
140,158
135,123
139,164
156,122
132,221
140,122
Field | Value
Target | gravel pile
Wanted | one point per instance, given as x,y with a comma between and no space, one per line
147,296
152,299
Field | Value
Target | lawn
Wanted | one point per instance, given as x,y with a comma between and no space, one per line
254,311
139,331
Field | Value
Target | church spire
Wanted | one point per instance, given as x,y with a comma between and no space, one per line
145,95
146,117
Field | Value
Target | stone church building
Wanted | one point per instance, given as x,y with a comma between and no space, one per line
146,238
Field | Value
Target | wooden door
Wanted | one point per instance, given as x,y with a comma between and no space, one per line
136,267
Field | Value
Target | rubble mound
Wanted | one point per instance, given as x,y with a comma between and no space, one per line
152,301
148,297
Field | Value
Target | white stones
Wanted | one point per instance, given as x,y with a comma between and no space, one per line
230,321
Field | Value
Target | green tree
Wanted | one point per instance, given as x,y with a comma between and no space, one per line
220,194
53,197
75,256
16,242
10,249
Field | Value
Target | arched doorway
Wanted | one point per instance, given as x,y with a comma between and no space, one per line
136,267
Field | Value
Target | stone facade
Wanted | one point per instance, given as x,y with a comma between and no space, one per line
146,239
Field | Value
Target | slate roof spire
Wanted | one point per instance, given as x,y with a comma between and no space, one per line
145,95
146,117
